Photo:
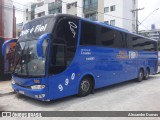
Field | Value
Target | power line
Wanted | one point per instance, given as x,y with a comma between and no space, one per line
149,15
143,25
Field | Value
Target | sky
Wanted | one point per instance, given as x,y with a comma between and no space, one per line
149,10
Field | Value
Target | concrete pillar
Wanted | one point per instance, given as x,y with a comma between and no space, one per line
100,10
1,18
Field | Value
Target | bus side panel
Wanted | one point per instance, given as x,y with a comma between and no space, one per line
146,60
107,65
65,83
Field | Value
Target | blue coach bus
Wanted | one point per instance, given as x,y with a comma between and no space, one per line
63,55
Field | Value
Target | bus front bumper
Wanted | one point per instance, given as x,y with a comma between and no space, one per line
36,94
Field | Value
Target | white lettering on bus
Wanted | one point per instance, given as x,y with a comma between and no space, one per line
38,28
72,76
66,81
85,52
60,87
90,58
133,55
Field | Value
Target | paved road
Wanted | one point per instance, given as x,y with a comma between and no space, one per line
128,96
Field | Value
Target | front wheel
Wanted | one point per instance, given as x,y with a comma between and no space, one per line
140,75
85,87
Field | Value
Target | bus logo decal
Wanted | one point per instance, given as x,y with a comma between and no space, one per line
66,81
60,87
133,55
86,52
72,76
73,26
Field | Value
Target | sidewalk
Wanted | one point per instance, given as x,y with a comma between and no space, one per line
5,87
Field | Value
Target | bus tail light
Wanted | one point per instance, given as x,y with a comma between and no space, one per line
37,87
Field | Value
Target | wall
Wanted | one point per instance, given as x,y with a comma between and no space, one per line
100,10
1,19
118,12
8,19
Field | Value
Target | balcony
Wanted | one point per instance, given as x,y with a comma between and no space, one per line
90,7
91,16
55,5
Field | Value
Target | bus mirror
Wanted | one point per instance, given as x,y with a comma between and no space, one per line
40,42
6,43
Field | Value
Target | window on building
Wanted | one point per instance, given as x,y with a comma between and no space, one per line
91,16
86,2
71,4
41,14
26,10
134,2
113,8
94,1
112,22
106,9
26,18
53,11
40,4
106,22
90,3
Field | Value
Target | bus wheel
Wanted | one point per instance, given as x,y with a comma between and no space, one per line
85,87
147,74
140,75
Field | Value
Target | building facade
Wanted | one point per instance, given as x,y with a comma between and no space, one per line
7,19
19,27
153,33
114,12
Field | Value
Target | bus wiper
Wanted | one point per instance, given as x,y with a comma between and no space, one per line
27,58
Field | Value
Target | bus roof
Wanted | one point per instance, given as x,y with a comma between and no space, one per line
94,22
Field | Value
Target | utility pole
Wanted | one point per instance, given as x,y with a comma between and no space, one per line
136,11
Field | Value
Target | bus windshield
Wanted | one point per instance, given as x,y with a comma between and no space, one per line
26,62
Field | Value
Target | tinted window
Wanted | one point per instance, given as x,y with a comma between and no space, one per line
88,34
93,34
140,43
67,30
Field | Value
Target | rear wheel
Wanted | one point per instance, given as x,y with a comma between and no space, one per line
140,75
147,74
85,87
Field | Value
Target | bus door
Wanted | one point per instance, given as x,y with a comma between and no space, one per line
57,59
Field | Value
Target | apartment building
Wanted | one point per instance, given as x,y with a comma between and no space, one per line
7,19
114,12
154,34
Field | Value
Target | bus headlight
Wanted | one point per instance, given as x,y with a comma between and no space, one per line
13,82
37,87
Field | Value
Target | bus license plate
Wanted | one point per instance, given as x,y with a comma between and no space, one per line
21,92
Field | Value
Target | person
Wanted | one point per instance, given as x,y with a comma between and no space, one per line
9,57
